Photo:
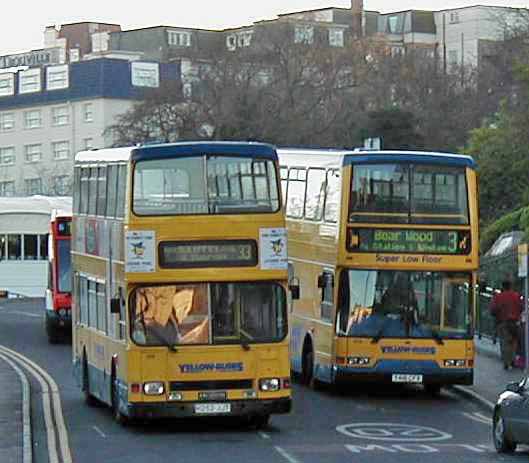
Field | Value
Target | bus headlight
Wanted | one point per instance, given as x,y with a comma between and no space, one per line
358,360
154,388
269,384
454,363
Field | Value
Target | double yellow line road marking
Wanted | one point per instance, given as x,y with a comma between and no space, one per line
57,435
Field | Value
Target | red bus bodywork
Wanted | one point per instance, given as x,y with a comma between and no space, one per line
59,294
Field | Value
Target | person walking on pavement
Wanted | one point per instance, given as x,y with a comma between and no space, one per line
506,307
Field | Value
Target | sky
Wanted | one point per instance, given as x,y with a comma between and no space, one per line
23,23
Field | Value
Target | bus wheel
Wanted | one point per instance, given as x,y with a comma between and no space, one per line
88,398
433,389
307,366
260,421
51,331
119,417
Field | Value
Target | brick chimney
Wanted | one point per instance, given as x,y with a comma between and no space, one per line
357,9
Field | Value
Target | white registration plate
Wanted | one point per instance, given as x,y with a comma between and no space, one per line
406,378
212,408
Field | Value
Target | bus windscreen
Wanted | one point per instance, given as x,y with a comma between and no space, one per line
64,277
205,185
394,304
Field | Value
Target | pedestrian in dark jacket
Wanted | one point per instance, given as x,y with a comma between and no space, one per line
506,307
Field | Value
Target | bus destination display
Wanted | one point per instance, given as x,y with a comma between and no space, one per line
189,254
410,241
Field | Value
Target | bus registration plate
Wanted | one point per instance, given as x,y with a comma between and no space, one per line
406,378
212,408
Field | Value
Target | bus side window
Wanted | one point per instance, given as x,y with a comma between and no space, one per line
77,189
83,300
122,187
326,283
92,191
112,190
332,196
83,202
315,194
284,184
297,181
101,191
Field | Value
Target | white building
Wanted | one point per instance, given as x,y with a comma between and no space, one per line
49,113
24,228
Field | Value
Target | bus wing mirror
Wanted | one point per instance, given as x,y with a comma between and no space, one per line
293,286
321,281
115,305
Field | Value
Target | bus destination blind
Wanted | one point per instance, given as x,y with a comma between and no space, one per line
190,254
409,241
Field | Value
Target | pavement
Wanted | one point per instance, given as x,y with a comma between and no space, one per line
11,411
490,378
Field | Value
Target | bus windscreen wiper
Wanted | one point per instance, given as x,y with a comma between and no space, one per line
245,339
437,337
377,337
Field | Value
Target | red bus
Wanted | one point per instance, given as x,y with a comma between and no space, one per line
59,292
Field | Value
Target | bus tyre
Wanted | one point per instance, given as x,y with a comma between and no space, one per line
502,443
88,398
433,389
119,417
260,421
53,336
307,367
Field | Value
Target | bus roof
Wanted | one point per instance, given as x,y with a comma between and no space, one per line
162,151
338,158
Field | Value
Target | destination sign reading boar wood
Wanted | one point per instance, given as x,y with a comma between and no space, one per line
409,241
186,254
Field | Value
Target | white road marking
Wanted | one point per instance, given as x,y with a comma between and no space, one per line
393,432
264,435
478,418
286,455
25,314
27,451
49,397
101,433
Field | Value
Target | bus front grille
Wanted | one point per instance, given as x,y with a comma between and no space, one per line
211,385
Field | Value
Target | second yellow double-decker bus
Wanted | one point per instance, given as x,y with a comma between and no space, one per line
180,269
383,246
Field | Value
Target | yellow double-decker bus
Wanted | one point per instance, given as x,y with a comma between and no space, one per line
180,270
383,246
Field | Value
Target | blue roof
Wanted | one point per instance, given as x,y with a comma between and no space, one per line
198,148
415,157
98,78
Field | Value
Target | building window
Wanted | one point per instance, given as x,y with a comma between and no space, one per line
57,77
231,42
7,156
61,184
304,34
336,38
244,39
454,17
33,153
7,188
61,150
33,186
88,143
33,119
145,75
31,247
7,84
179,38
7,121
88,112
60,115
452,58
29,81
